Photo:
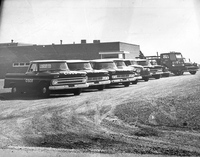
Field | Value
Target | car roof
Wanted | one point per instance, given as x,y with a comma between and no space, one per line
135,59
46,61
170,53
102,60
77,61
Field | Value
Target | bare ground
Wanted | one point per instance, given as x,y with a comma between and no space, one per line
155,117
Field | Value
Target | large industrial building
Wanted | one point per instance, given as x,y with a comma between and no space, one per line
15,57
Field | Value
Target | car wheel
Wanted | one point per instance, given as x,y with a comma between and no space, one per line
177,73
166,75
145,79
44,90
126,84
101,87
192,72
77,92
15,91
135,82
157,77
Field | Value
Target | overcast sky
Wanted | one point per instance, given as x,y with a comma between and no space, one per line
156,25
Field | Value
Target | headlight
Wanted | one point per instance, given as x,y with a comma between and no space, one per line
131,75
85,79
114,76
147,69
138,70
54,82
105,78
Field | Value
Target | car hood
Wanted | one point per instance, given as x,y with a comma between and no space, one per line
95,71
136,66
71,73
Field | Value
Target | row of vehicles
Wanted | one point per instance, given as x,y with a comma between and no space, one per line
175,62
71,76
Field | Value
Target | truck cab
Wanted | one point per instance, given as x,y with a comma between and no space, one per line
176,64
46,77
116,75
96,78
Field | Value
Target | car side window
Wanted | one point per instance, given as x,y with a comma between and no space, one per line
165,56
33,68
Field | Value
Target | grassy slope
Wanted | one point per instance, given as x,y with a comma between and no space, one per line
162,121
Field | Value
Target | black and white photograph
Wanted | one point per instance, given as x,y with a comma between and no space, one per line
99,78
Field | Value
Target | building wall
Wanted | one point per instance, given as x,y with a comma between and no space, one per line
133,49
87,51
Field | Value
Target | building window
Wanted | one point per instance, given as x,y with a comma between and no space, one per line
21,64
110,56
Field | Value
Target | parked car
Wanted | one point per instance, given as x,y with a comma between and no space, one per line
142,72
155,71
120,63
155,61
191,67
46,77
96,78
116,75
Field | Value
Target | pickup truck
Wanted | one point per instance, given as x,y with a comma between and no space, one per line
121,65
143,73
191,67
46,77
116,75
155,71
97,79
156,63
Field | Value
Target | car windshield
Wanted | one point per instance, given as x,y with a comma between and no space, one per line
57,66
127,63
153,62
104,65
178,56
134,63
79,66
120,63
143,63
187,60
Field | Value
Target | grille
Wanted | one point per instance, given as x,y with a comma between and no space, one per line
95,78
123,76
71,80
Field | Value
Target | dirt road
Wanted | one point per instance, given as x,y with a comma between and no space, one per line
155,117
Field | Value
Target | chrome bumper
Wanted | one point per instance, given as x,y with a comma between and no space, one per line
138,77
68,86
99,83
132,79
120,80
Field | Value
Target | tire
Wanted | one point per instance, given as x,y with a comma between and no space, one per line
166,75
145,79
135,82
15,91
101,87
44,90
178,73
192,72
77,91
126,84
157,76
